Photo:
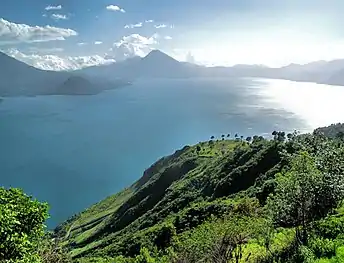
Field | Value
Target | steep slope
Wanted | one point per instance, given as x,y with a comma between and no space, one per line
218,189
191,180
18,78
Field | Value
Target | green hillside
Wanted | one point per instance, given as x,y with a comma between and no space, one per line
187,201
224,200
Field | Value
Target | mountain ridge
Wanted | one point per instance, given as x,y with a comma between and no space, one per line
20,79
158,64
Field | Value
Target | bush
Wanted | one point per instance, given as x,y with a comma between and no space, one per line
21,226
322,247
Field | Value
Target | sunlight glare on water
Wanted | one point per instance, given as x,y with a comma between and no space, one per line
318,104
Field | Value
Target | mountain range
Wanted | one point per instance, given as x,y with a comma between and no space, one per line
20,79
158,64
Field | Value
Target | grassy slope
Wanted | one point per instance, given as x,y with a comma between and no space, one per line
91,227
178,186
172,203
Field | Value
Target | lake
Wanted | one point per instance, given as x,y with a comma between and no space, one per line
73,151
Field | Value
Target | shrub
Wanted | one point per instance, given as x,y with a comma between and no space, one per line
21,226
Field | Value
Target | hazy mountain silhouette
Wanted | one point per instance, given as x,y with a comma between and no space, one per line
20,79
159,65
155,65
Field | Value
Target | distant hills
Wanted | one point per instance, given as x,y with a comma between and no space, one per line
159,65
20,79
155,65
332,131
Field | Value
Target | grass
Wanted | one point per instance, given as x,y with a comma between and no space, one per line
201,161
89,221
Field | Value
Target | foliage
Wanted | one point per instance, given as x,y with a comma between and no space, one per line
301,192
219,201
331,131
21,226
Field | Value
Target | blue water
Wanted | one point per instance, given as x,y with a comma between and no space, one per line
72,151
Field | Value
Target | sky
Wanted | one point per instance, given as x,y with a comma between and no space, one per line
71,34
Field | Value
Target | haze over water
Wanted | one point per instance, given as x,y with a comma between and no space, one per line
72,151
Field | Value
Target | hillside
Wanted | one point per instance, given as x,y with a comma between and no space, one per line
333,131
182,205
20,79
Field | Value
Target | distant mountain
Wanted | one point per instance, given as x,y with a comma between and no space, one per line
159,65
75,85
20,79
155,65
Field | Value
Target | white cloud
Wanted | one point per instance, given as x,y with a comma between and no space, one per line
59,17
160,26
149,21
15,33
134,25
115,8
51,7
98,42
58,63
81,44
168,37
134,45
45,50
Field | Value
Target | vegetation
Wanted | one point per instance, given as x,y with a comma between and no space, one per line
241,200
332,131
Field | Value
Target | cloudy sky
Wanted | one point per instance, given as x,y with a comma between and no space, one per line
70,34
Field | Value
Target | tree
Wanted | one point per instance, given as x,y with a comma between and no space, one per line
198,148
281,136
275,133
301,193
290,136
249,139
21,225
223,136
228,135
236,135
212,137
230,248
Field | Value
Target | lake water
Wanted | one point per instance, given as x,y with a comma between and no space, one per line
72,151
